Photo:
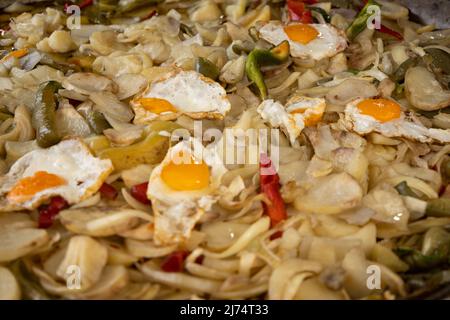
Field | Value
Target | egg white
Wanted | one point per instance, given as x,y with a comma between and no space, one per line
189,92
402,127
177,212
71,160
328,43
279,116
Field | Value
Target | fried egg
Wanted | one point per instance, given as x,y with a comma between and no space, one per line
298,113
386,116
181,92
314,41
183,187
67,169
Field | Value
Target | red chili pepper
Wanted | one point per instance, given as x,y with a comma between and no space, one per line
276,235
174,261
149,15
108,191
386,30
270,186
298,12
139,192
83,4
47,213
200,259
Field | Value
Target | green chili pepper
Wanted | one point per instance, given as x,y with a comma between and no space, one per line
107,5
4,116
258,58
44,114
441,59
322,12
445,169
207,68
95,119
418,261
360,22
438,207
435,250
186,29
403,189
399,74
134,4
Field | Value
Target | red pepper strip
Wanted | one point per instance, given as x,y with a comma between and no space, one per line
386,30
174,261
276,235
270,186
139,192
200,259
149,15
298,12
82,5
108,191
85,3
47,213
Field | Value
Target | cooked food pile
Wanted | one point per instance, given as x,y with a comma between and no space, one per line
129,168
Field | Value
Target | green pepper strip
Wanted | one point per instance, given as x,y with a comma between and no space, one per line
207,68
399,74
322,12
134,4
258,58
5,116
360,22
403,189
438,207
44,119
95,119
418,261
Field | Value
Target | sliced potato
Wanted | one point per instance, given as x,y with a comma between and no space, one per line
16,220
129,85
112,281
9,288
221,235
101,221
331,195
86,83
423,91
17,243
149,151
88,255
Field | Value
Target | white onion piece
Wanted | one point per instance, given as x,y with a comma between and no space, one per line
9,288
283,274
256,229
179,280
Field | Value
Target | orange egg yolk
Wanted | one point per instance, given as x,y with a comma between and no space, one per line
311,120
156,105
381,109
16,54
186,176
27,187
302,33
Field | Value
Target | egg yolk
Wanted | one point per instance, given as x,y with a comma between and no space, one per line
156,105
16,54
381,109
311,119
27,187
302,33
186,176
